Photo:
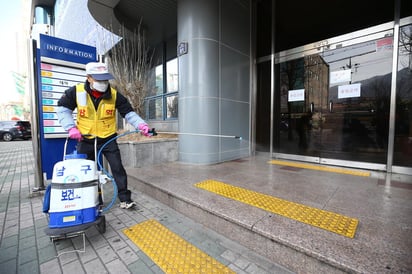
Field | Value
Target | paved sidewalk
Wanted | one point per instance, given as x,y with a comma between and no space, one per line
25,248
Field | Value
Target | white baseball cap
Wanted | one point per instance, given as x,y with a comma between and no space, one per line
98,71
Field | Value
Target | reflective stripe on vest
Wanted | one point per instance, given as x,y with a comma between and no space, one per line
100,122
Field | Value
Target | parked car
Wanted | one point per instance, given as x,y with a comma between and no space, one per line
10,130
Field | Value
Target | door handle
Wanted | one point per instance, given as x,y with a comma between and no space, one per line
330,106
312,107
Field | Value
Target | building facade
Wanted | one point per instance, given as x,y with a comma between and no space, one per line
301,81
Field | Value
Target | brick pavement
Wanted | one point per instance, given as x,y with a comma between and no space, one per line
25,248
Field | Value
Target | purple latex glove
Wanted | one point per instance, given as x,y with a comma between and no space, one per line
74,133
144,129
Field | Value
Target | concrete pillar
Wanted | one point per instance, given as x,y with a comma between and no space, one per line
214,80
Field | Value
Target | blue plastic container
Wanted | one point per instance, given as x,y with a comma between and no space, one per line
71,218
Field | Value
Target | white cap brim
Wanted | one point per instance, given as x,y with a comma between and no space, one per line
102,76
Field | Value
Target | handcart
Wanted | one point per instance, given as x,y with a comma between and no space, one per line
74,198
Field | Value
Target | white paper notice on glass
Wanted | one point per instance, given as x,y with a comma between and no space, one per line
296,95
349,91
340,76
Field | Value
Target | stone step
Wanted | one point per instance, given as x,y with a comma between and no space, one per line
255,237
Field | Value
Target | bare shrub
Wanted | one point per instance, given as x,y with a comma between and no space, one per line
130,62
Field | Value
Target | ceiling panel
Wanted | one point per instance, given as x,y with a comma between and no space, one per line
297,22
159,17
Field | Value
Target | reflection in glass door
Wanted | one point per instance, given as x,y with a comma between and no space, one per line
334,105
356,127
402,155
302,92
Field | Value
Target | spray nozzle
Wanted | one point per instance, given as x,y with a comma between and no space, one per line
153,132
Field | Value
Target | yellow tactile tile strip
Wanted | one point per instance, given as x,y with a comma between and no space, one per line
170,252
327,220
321,168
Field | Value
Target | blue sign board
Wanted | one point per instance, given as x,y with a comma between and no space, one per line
58,66
60,49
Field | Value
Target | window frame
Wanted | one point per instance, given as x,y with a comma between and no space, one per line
164,95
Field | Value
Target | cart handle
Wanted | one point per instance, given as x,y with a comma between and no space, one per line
84,135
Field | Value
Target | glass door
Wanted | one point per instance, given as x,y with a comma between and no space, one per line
302,94
333,105
402,155
356,125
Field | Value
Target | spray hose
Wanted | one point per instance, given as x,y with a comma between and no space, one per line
153,133
112,202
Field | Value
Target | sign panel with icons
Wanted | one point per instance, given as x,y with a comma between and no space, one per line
55,79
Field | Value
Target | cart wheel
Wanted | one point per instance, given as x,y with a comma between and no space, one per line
101,227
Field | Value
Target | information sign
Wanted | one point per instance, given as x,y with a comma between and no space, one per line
296,95
60,64
349,91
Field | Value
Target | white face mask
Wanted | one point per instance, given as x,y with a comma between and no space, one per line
100,85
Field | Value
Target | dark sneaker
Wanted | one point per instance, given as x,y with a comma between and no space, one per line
128,204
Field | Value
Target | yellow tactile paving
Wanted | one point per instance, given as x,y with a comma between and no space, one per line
170,252
327,220
321,168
